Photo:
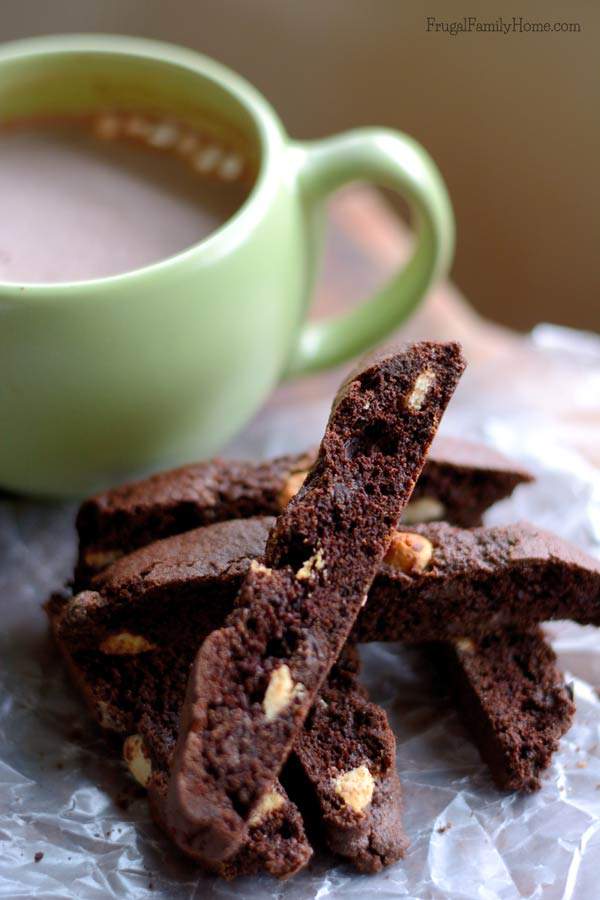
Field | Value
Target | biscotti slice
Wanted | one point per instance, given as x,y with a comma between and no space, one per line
255,680
118,521
139,695
276,843
136,684
460,480
512,699
439,581
343,774
136,630
144,702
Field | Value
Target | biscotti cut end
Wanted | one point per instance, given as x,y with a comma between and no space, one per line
343,775
255,680
512,699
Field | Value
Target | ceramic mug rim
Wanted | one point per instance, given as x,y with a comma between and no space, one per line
270,134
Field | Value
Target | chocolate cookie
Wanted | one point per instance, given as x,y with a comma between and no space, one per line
129,650
115,522
343,773
439,582
276,842
512,699
255,680
459,482
459,582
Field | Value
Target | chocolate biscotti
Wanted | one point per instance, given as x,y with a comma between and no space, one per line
113,523
459,482
512,699
438,581
343,772
255,680
459,582
276,843
129,650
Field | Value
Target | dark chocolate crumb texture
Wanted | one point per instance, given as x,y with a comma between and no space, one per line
512,699
459,482
276,842
113,523
343,772
438,582
135,686
254,681
344,764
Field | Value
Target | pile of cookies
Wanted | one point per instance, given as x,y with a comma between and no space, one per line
216,609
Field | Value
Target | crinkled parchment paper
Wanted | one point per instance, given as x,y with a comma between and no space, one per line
63,795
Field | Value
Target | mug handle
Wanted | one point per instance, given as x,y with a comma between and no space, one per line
388,159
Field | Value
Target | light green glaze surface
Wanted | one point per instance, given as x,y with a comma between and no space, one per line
105,378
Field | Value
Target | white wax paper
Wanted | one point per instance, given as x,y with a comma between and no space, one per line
62,793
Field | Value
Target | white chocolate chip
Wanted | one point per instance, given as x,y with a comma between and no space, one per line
291,488
267,804
355,788
207,158
281,691
126,644
106,719
409,552
164,135
137,759
256,566
231,167
465,645
99,559
315,563
84,598
427,509
420,390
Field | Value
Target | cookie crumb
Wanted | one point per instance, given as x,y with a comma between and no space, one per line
444,828
38,856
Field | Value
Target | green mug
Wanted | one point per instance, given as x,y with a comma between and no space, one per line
104,378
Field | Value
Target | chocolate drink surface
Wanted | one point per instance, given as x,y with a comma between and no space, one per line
254,681
79,205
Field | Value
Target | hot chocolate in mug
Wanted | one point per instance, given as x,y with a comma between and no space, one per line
107,377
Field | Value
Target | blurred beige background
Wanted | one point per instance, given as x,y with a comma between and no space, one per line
513,121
